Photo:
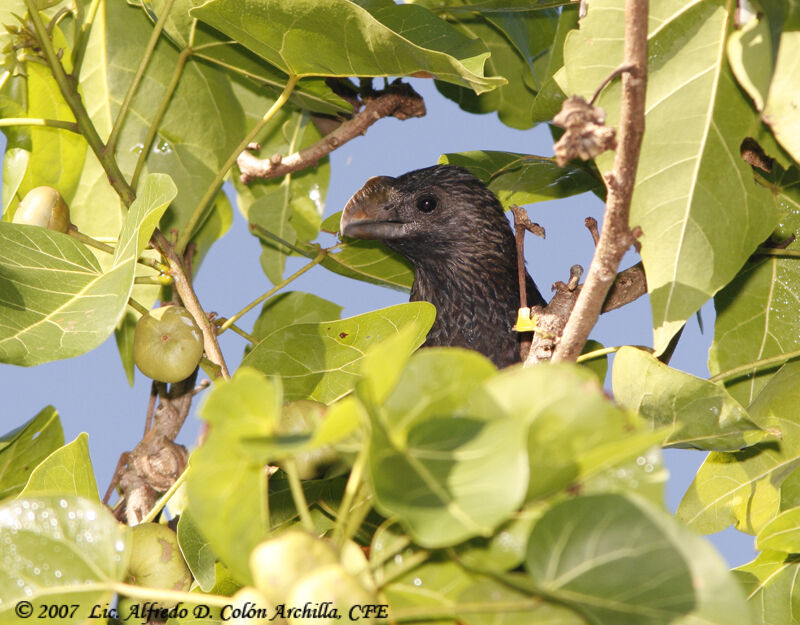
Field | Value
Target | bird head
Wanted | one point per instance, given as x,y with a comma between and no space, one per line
437,211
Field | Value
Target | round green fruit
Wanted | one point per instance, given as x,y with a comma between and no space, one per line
332,584
167,344
279,562
43,206
156,560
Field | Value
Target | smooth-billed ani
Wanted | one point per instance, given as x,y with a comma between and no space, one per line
455,232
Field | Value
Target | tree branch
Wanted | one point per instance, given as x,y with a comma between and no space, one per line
616,236
397,100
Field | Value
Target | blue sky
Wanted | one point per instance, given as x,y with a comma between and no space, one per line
92,394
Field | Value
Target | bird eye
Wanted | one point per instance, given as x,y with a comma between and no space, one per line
426,203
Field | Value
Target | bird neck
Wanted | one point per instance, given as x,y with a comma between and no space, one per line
464,280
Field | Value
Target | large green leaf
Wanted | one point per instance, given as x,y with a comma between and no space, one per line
55,300
699,414
772,584
67,471
348,40
518,42
22,449
744,487
575,433
293,307
757,312
181,27
371,262
463,472
593,553
522,178
695,200
67,551
769,78
203,122
321,361
782,533
227,490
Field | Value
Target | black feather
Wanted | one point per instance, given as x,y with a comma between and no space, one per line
455,232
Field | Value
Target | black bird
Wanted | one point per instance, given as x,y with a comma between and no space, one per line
455,232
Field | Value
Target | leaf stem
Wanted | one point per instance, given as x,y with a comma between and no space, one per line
87,240
137,306
124,109
756,365
31,121
597,353
773,251
354,482
73,100
164,499
155,124
82,38
200,213
262,231
231,320
139,592
299,497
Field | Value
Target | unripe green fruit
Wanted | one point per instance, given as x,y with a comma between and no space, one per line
156,560
167,344
330,583
279,562
43,206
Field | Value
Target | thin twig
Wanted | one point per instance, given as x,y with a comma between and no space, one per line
397,100
616,236
232,319
620,70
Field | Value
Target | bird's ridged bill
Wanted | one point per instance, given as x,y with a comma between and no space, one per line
370,214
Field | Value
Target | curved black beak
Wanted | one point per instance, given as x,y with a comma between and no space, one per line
370,213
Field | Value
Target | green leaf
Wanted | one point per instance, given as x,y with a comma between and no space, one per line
772,582
437,583
523,179
66,551
321,361
371,261
463,472
227,490
575,433
781,533
55,300
56,154
591,553
700,211
699,414
519,43
744,487
396,40
67,471
202,125
22,449
181,27
757,312
197,552
289,207
548,101
769,78
285,309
